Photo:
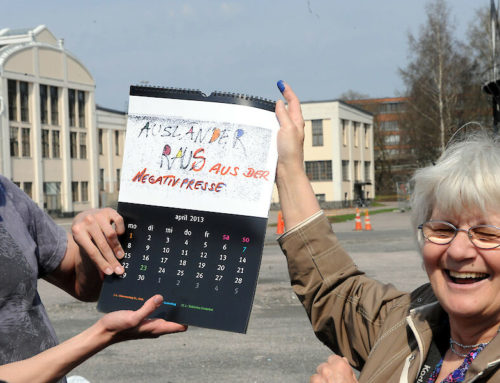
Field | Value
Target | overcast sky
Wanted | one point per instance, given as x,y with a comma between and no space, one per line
321,47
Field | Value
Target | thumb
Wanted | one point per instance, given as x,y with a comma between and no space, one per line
148,308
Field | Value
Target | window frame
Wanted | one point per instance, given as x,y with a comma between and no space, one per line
319,171
317,132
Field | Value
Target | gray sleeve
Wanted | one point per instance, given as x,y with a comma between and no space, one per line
49,238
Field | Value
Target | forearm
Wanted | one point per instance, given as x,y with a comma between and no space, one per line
88,278
52,364
297,198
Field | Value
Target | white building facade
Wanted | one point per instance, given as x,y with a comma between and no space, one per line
49,138
338,153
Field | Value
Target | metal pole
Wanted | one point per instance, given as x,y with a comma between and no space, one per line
496,115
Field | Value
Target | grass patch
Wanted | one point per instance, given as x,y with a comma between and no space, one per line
386,198
349,217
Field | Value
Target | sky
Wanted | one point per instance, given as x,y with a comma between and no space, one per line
322,48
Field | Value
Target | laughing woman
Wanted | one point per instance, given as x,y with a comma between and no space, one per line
445,331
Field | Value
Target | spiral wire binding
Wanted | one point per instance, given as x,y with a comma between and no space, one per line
198,95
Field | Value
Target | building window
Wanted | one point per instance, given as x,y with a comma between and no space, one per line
367,136
317,132
356,134
76,106
72,144
25,142
44,110
344,132
74,191
45,143
319,170
321,197
81,109
52,196
345,170
27,187
390,107
117,142
71,106
100,142
356,171
24,98
12,89
389,126
83,145
367,171
54,106
101,179
14,141
117,179
56,146
392,139
85,191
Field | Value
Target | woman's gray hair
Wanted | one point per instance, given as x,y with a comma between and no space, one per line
466,178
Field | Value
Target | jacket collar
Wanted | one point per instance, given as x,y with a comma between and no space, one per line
429,318
425,322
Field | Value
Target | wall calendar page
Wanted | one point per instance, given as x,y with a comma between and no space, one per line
195,190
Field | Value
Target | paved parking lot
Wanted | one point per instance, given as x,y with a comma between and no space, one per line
279,346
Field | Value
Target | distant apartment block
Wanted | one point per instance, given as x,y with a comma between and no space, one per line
338,152
55,143
392,160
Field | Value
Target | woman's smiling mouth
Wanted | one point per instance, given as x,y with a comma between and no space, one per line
465,277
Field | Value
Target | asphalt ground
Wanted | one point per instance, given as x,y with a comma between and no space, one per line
279,345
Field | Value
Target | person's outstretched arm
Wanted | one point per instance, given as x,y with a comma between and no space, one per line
296,195
52,364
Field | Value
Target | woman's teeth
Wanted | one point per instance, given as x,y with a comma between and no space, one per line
455,274
467,277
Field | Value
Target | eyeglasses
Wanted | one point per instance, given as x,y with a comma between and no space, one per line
442,233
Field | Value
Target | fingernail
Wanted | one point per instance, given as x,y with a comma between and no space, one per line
281,86
158,300
119,270
119,254
108,271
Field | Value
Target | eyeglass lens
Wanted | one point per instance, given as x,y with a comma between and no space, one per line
442,233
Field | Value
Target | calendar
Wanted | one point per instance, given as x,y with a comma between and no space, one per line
195,190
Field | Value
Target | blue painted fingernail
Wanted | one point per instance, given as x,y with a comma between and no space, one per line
281,86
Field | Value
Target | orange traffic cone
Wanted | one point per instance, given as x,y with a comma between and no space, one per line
280,227
358,226
368,225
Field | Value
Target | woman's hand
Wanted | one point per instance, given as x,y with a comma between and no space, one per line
335,370
291,133
96,233
127,325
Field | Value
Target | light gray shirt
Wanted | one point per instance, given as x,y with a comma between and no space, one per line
31,246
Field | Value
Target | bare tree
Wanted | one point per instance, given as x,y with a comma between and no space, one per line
438,79
353,95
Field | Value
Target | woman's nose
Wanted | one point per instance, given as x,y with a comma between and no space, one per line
461,247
